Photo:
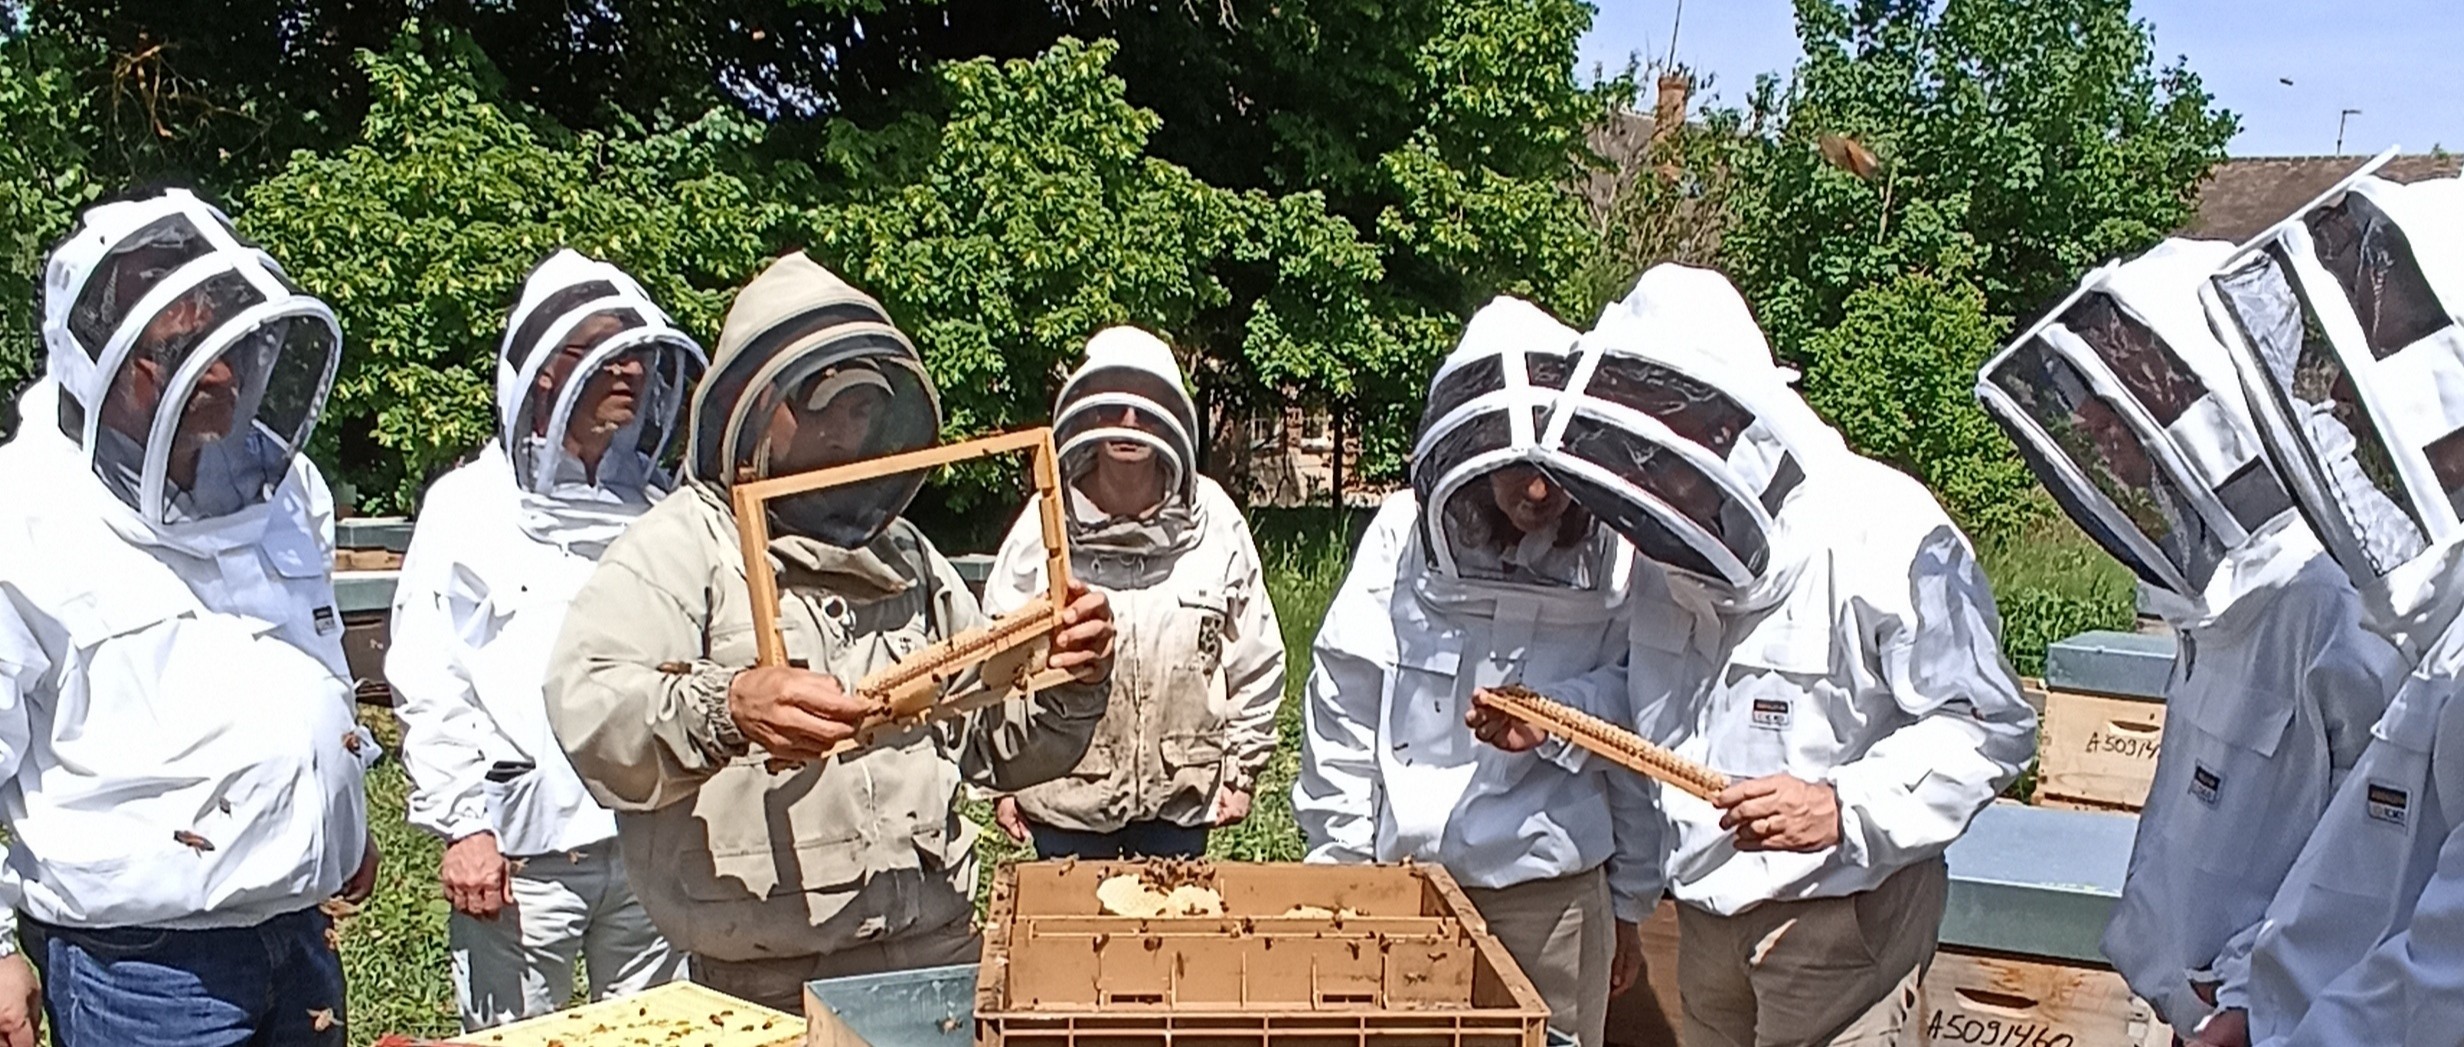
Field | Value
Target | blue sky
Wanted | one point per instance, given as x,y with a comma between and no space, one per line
2398,61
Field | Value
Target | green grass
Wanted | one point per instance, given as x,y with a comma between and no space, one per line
393,952
2051,582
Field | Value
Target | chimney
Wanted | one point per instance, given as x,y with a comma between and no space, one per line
1668,111
1668,118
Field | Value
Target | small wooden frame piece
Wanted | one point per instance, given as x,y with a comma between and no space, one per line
914,689
1626,748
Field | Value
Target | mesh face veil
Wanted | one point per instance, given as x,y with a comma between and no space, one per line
192,370
2126,408
2344,322
810,374
1680,433
1492,509
590,367
1126,402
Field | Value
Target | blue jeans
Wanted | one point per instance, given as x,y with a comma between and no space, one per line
1147,839
270,985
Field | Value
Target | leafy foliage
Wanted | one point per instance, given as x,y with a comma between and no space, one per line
1032,217
1982,154
1306,196
420,236
1898,372
44,179
2051,582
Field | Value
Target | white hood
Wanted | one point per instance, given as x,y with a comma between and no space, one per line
2344,323
1129,370
1680,431
2128,410
541,385
1129,390
190,370
1485,410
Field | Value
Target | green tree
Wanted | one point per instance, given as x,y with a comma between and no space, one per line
1032,217
44,179
420,236
1898,371
1928,156
1440,131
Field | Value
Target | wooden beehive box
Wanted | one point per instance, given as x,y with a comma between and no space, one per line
2098,752
2004,1001
676,1013
2104,719
1339,953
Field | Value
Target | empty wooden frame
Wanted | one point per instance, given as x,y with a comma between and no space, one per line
1007,654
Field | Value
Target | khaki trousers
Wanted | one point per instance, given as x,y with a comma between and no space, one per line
565,906
779,983
1562,933
1826,971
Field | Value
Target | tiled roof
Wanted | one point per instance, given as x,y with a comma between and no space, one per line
1621,141
2245,195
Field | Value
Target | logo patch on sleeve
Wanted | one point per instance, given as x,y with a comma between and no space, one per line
328,623
1773,713
2205,784
2390,804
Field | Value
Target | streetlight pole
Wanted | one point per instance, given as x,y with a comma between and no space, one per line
2340,118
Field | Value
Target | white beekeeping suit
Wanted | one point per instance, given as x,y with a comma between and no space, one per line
591,382
176,718
1198,666
2344,324
1814,626
1467,581
2128,410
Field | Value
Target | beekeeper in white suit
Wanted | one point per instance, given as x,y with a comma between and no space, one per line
591,380
2128,410
1198,669
2344,322
1484,573
183,767
1813,626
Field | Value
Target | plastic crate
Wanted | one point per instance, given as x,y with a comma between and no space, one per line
1403,960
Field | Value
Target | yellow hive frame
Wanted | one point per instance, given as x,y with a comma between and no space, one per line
911,691
1626,748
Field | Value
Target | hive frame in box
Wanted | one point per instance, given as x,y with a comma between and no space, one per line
911,691
1392,956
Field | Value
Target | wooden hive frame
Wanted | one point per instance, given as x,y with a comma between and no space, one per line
914,690
1626,748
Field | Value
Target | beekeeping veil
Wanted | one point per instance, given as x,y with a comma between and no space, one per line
2344,322
1679,431
2127,409
810,373
587,357
1479,446
1128,397
191,369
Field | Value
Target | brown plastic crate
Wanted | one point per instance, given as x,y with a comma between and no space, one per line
1412,965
